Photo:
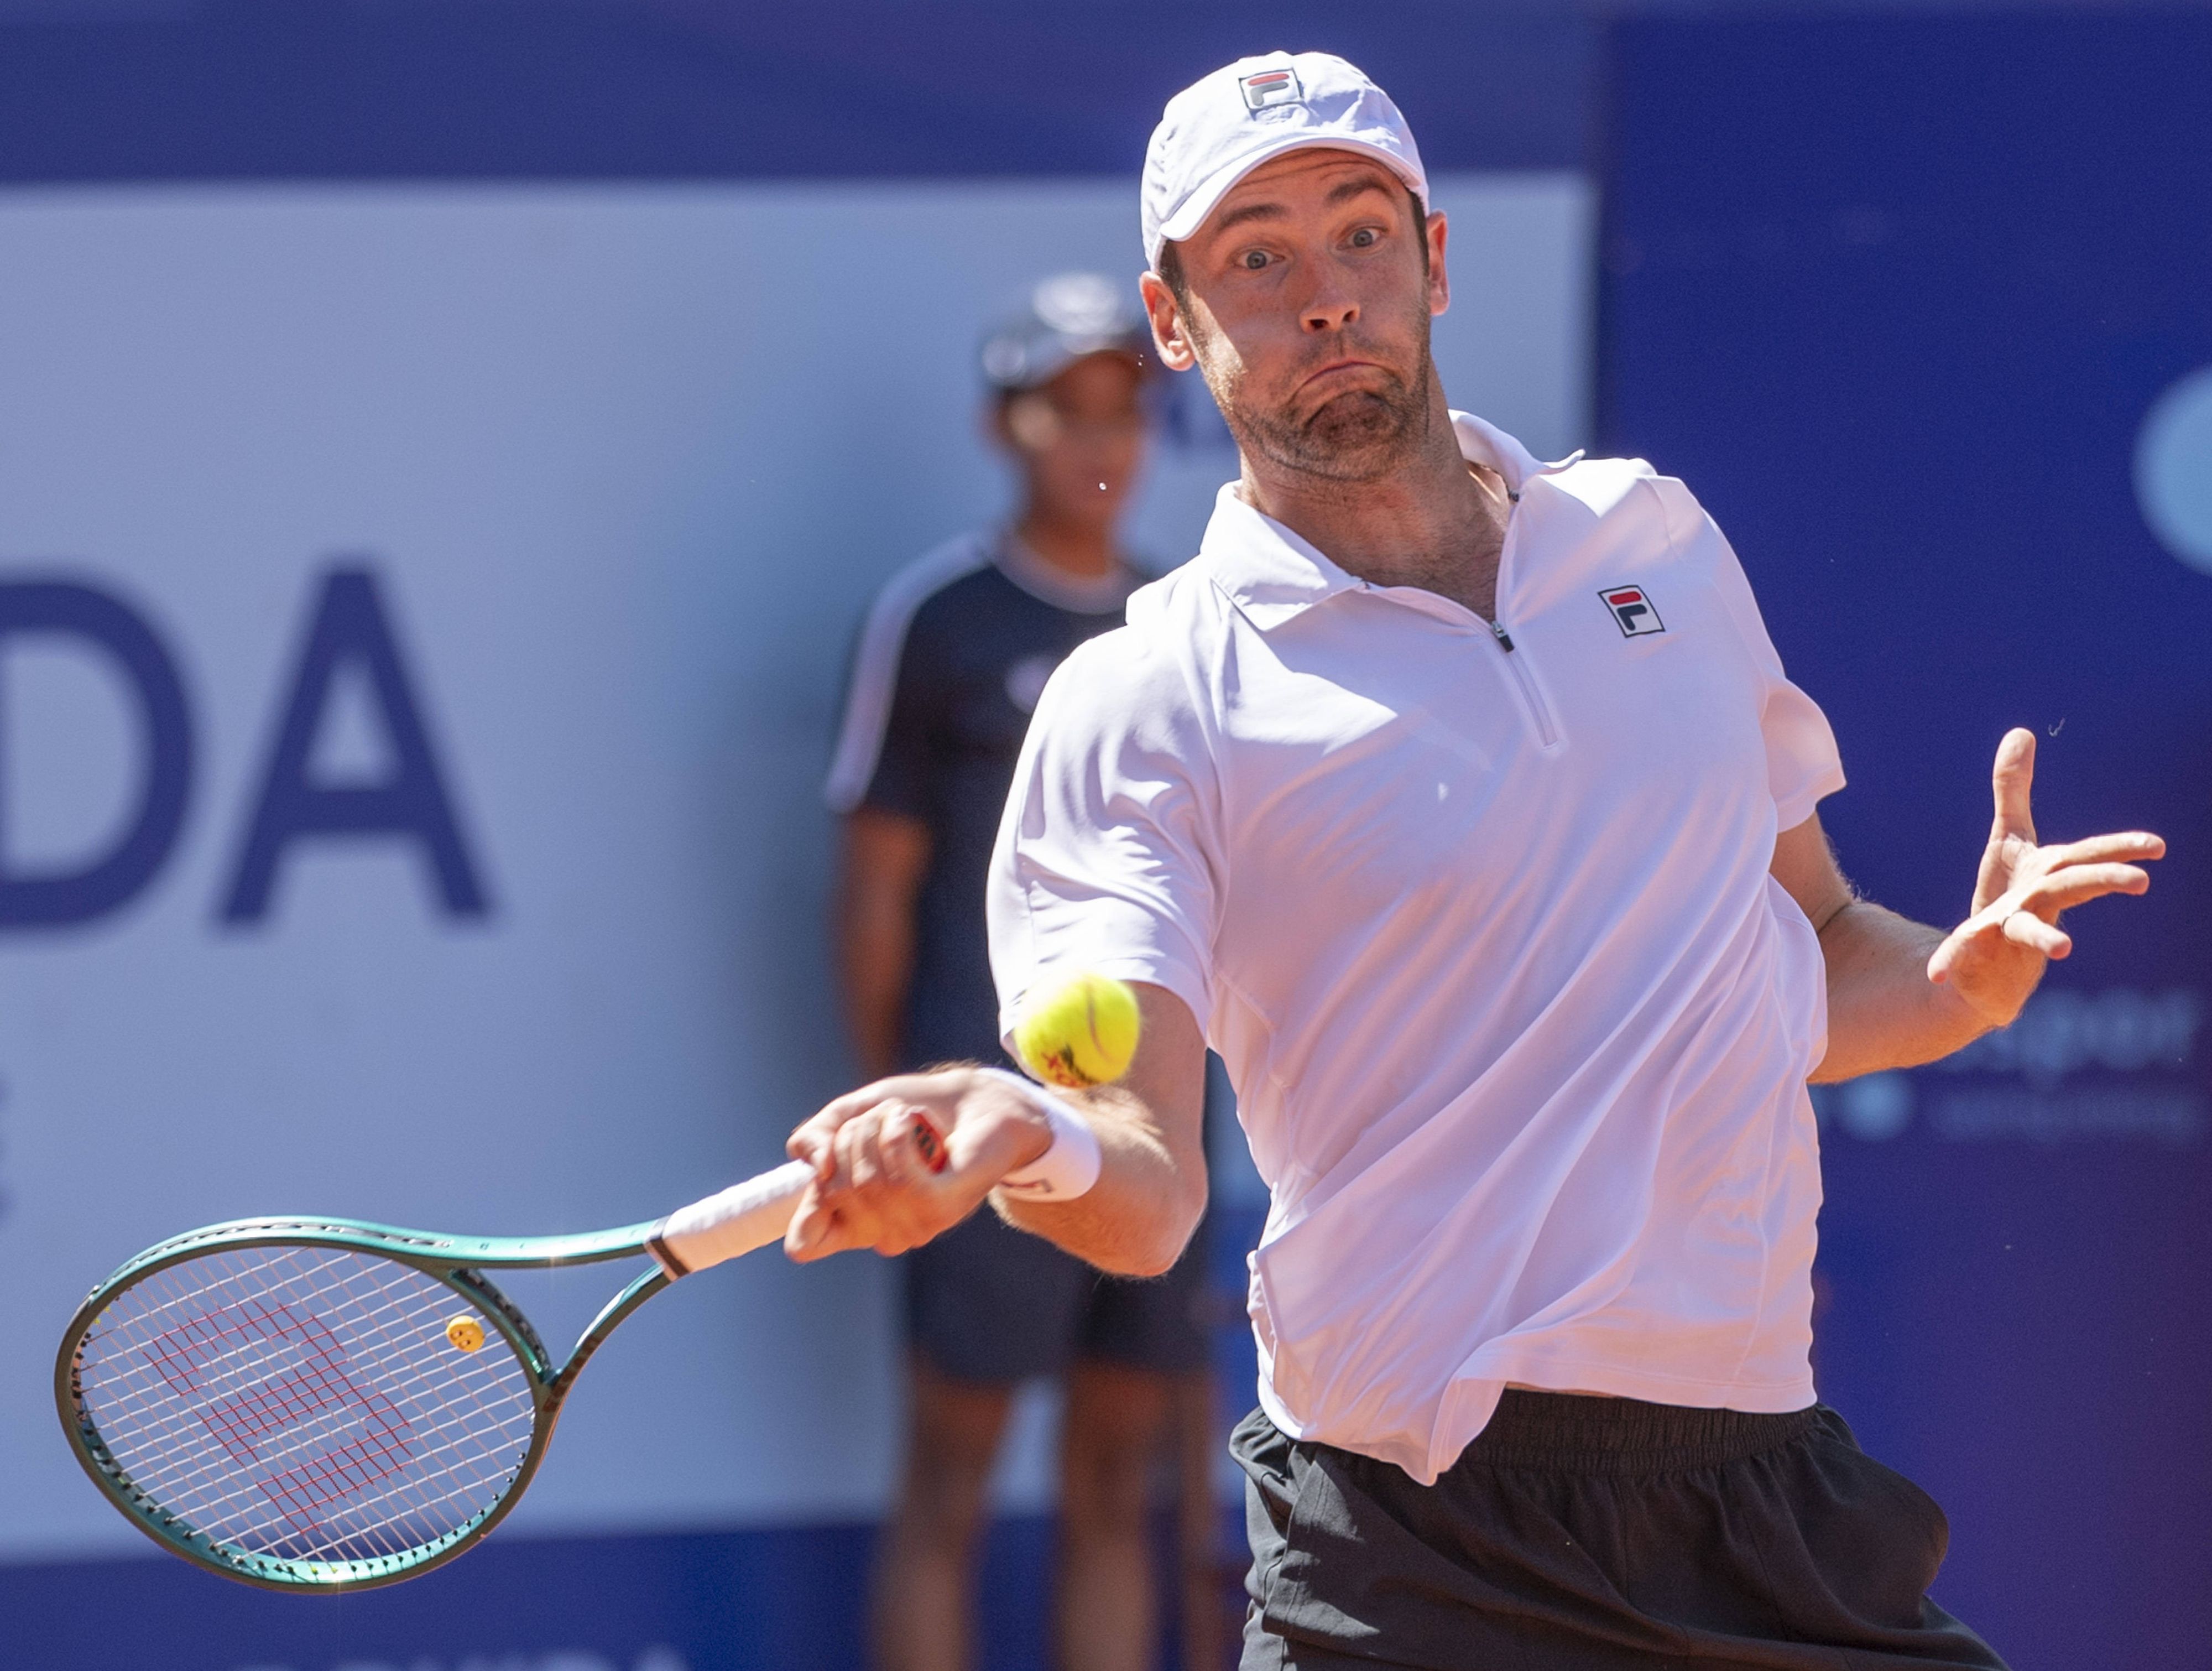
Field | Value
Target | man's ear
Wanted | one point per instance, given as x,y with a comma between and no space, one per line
1439,278
1171,334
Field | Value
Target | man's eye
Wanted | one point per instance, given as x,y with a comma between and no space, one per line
1254,260
1363,239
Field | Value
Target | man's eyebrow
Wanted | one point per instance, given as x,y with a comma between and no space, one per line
1250,211
1346,190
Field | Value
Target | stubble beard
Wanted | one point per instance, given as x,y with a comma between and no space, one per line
1357,437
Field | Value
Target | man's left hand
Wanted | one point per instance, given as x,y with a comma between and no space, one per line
1995,957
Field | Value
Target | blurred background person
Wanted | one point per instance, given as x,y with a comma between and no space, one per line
950,663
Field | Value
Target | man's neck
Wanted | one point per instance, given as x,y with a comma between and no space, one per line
1431,522
1080,550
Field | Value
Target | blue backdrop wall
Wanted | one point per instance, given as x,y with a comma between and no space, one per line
1923,311
684,90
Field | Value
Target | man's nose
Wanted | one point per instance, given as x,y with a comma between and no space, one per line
1329,309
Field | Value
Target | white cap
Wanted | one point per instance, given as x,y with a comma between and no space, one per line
1218,130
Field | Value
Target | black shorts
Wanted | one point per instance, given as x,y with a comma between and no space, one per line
987,1302
1598,1535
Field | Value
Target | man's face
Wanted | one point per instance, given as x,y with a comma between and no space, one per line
1079,438
1309,309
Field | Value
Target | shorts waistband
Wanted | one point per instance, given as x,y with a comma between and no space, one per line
1570,1433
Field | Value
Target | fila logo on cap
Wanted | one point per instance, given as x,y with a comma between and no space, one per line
1271,86
1632,611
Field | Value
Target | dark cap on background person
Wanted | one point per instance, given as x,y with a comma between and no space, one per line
1069,315
1224,126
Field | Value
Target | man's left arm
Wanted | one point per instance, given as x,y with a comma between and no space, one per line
1901,993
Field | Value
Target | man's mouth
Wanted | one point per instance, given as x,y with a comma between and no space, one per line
1335,370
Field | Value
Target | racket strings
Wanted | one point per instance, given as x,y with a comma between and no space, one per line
304,1403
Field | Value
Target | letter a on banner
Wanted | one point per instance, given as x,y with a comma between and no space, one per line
350,627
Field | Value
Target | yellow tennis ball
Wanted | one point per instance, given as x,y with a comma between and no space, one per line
1079,1031
465,1332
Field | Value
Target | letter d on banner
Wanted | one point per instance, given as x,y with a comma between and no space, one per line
70,609
350,626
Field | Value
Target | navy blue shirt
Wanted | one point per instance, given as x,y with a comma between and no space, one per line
949,666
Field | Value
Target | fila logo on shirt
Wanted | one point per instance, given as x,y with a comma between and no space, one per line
1271,86
1632,611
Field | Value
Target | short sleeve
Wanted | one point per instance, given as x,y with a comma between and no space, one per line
1803,764
892,702
1105,858
900,782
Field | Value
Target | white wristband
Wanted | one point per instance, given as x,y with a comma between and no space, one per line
1070,1166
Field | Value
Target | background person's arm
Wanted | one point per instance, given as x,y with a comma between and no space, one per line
1901,993
885,857
871,1189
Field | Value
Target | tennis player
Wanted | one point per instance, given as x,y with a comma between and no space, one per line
1461,801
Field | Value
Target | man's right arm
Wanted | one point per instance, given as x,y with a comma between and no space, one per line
1103,863
886,855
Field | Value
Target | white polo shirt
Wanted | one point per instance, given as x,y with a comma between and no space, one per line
1519,1024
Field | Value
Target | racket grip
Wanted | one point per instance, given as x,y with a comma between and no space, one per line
744,1216
754,1213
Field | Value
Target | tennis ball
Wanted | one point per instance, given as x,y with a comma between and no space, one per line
1079,1031
465,1332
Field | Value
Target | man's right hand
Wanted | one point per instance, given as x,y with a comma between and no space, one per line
872,1186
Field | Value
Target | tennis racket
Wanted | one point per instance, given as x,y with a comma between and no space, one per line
321,1404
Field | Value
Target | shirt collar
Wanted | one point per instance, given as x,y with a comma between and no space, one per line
1272,575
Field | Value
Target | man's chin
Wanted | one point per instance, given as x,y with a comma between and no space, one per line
1353,428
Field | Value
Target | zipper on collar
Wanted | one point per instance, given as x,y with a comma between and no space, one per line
1546,732
1540,712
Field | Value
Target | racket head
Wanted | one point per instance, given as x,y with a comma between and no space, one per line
293,1403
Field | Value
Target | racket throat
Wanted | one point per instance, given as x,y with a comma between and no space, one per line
610,1318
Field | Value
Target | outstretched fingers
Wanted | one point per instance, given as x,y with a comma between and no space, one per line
2123,846
2046,893
2037,935
2021,888
2012,781
2062,889
2026,914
